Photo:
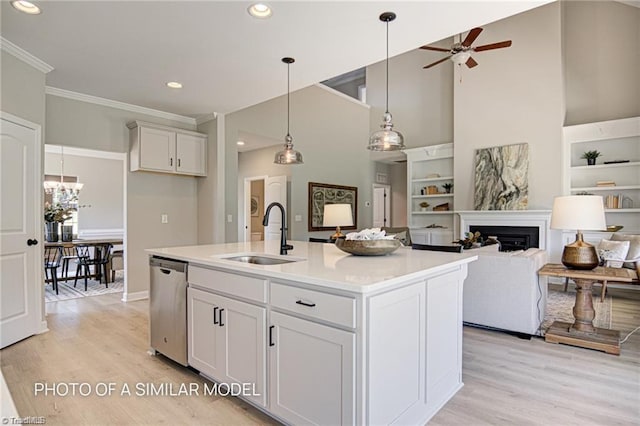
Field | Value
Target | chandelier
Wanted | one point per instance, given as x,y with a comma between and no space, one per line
64,193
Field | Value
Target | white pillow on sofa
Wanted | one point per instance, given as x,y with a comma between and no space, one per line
614,252
633,255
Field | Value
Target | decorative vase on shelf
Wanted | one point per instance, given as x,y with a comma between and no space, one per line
591,161
51,232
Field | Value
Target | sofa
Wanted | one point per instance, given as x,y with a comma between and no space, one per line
503,290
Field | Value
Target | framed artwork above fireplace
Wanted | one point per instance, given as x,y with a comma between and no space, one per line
502,178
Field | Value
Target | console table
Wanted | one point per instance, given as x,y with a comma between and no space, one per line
582,332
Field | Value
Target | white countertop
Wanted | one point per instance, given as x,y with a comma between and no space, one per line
323,264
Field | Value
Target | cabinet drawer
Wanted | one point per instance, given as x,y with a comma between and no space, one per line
251,288
328,307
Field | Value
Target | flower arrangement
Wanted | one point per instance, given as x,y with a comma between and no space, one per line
56,213
591,154
448,187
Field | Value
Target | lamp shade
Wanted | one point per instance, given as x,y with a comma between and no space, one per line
579,212
337,215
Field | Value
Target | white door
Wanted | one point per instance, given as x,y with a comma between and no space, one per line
381,206
21,230
275,190
311,372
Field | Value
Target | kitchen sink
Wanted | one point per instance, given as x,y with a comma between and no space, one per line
260,260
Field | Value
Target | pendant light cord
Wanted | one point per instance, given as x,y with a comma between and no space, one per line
288,103
387,101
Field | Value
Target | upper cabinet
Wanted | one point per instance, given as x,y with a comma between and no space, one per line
616,172
157,148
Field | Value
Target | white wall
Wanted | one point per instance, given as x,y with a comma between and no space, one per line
602,60
86,125
209,213
514,95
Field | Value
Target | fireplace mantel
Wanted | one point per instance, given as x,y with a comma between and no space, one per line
537,218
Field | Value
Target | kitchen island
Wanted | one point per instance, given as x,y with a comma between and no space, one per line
327,337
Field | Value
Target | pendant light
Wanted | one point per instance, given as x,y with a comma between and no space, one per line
288,155
386,139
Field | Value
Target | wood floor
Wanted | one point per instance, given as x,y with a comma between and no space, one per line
100,340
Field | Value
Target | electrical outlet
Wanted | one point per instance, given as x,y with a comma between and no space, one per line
229,218
298,218
164,218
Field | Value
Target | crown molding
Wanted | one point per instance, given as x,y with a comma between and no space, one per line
206,117
24,56
54,91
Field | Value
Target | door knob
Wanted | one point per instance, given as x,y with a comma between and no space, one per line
32,242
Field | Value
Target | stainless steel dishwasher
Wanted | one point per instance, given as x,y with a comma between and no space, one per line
168,308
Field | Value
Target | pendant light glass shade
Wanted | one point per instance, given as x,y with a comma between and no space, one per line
288,155
386,139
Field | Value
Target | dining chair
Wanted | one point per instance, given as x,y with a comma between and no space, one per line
68,254
99,259
52,256
450,249
116,263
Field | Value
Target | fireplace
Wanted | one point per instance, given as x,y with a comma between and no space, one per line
511,238
515,229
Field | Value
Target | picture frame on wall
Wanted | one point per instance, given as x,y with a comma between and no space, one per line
323,193
255,206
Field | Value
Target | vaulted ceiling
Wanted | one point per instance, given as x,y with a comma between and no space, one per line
225,59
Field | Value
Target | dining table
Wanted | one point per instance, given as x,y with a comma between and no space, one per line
87,241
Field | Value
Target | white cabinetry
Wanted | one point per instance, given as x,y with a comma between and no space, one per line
164,149
311,372
429,168
619,143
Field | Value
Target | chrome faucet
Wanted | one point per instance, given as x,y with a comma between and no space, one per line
283,231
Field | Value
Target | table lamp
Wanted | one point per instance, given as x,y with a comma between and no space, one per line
582,213
337,215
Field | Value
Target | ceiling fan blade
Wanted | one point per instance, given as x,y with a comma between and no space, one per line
436,62
437,49
471,62
499,45
471,37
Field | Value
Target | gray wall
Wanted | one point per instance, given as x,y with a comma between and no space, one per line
602,60
513,96
331,132
208,213
86,125
22,91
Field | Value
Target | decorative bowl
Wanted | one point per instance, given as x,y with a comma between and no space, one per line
368,247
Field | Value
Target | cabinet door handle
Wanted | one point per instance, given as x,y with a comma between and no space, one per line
178,162
271,336
220,318
300,302
215,319
171,162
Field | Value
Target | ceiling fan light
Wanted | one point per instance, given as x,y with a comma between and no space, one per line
460,57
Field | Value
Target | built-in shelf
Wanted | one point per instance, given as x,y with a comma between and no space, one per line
437,179
433,195
615,140
606,188
436,162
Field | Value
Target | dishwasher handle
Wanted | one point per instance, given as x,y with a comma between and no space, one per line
165,271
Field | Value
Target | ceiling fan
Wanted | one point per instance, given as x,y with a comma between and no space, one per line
460,53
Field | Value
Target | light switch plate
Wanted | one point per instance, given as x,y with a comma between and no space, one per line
229,218
164,218
298,218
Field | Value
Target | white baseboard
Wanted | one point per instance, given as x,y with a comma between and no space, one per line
44,327
131,297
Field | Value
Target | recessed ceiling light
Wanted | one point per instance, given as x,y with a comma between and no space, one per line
259,10
174,85
26,7
240,143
